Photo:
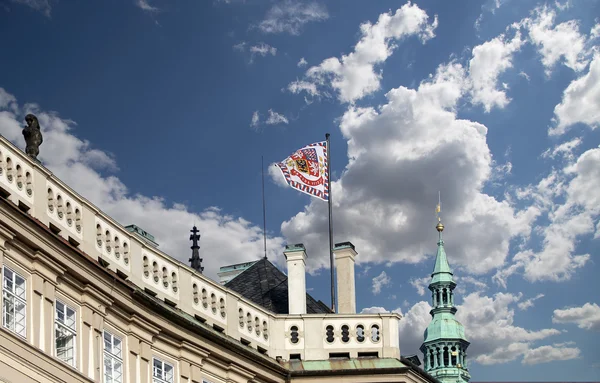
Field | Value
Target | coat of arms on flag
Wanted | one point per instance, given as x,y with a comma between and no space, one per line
306,170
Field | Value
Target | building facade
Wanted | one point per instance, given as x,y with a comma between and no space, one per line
85,299
445,345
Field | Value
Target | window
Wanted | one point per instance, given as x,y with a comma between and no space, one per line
65,330
14,302
113,358
162,372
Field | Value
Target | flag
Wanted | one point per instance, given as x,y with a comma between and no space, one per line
306,170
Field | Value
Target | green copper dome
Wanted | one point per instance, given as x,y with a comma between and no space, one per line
444,326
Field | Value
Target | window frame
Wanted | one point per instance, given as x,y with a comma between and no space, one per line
110,355
162,379
63,326
15,298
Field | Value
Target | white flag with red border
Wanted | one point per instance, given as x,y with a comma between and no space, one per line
306,170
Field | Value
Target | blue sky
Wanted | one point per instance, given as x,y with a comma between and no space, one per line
159,112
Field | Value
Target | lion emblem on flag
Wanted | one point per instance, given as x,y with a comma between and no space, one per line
306,170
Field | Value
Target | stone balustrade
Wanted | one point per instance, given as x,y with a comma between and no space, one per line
41,194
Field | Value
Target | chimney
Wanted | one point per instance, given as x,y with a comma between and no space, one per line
344,265
295,256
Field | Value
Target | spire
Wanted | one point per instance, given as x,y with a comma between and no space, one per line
445,345
195,261
441,270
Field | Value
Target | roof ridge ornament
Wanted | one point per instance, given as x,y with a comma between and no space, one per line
195,260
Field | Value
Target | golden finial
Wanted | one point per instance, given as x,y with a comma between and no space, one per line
440,226
438,209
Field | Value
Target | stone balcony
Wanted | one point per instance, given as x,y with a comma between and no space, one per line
42,195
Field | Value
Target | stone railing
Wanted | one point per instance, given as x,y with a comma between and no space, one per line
38,192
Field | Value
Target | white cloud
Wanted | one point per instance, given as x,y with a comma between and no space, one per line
277,176
557,260
397,161
586,317
556,42
255,119
491,59
353,76
302,63
374,310
564,150
226,239
145,5
38,5
546,354
276,118
380,282
580,102
241,46
529,302
262,49
524,75
291,15
420,284
299,86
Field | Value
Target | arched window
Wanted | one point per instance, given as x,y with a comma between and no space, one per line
453,356
329,336
265,330
98,235
125,253
28,182
249,322
146,267
213,303
195,291
9,169
257,326
174,281
69,214
50,200
117,246
222,307
60,208
155,271
241,318
204,298
165,277
19,177
375,333
446,357
294,334
445,296
78,220
345,334
108,241
360,333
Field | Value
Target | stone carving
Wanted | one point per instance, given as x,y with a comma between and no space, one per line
33,136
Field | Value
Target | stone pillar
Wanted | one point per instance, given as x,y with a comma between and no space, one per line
48,319
435,358
145,362
37,311
295,256
344,267
133,345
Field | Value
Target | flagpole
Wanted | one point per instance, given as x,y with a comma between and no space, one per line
262,170
331,261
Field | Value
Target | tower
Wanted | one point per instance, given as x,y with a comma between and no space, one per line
445,345
195,261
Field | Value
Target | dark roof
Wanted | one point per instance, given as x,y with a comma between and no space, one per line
265,285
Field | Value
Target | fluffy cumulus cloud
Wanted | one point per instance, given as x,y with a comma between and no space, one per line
489,60
398,160
586,317
546,354
290,16
380,281
556,42
353,76
575,216
225,237
580,102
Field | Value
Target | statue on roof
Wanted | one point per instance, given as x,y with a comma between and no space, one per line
33,136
